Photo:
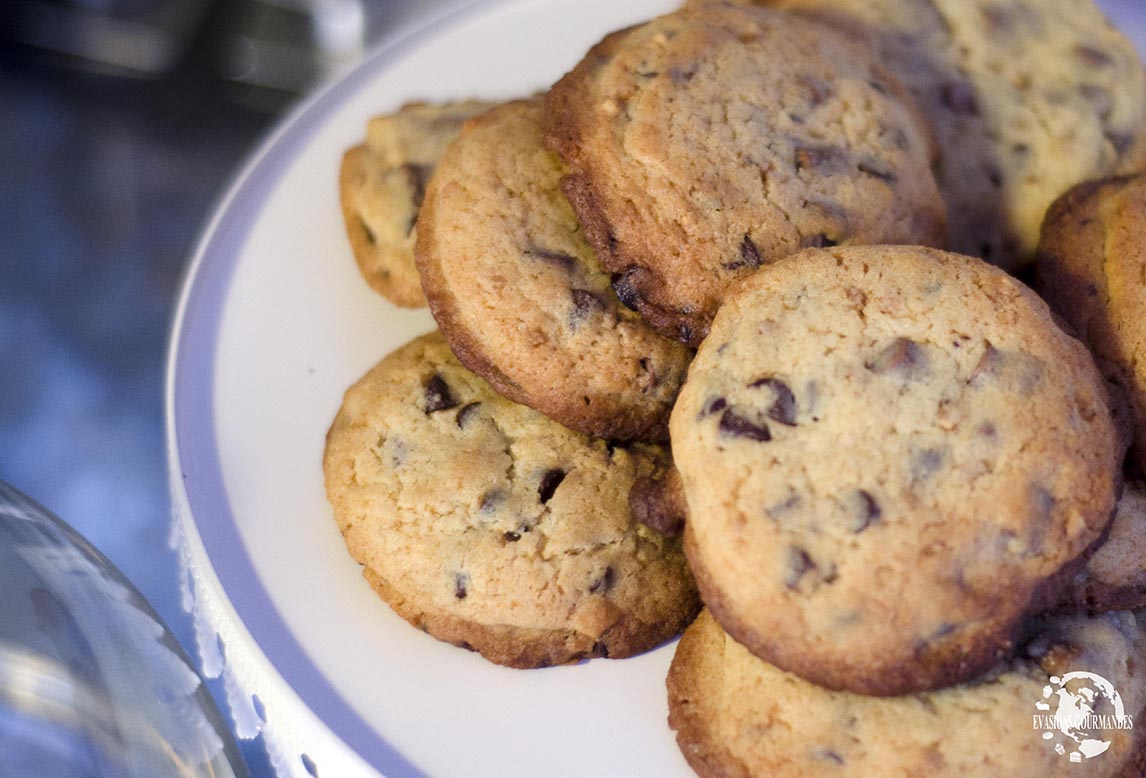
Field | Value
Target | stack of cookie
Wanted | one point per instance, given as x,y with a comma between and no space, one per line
894,470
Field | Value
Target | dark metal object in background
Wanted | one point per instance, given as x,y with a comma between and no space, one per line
265,51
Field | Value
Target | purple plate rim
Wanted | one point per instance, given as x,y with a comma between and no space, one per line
190,406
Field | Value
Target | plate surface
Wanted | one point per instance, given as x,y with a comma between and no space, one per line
274,324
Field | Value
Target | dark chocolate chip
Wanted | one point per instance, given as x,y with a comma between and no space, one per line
822,160
659,504
605,582
1120,142
897,137
438,395
959,97
903,357
1100,99
416,175
829,755
685,333
1092,57
713,405
555,258
461,585
740,427
749,256
549,483
816,89
817,241
783,508
798,564
399,450
625,287
865,510
512,536
491,500
870,169
584,304
1042,504
1091,290
878,86
997,19
465,413
926,463
371,238
783,408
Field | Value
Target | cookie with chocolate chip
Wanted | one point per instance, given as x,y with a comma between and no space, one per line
1027,99
381,185
1115,576
891,455
1091,264
492,527
717,139
520,296
736,715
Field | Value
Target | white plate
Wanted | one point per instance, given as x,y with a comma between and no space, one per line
273,325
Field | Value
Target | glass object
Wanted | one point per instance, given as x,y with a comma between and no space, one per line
92,684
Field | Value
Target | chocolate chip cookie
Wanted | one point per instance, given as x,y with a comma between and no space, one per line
1092,258
381,185
494,528
1115,577
890,455
1027,98
717,139
522,299
736,715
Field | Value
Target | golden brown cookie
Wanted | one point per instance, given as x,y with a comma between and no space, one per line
494,528
891,455
1027,98
712,141
1091,265
381,185
522,299
736,716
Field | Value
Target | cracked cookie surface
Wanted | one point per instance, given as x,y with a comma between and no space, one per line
736,716
713,140
1091,265
520,296
890,455
381,185
494,528
1027,98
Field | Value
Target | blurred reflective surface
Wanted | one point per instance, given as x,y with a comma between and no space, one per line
104,185
91,682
